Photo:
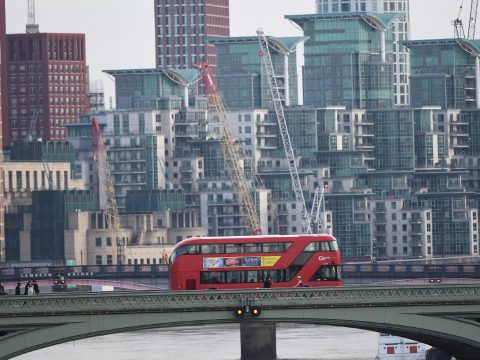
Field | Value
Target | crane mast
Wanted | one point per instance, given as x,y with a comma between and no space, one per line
282,124
230,153
31,27
106,190
459,31
472,20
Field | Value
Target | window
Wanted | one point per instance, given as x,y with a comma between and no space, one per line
98,260
109,241
98,242
19,180
109,260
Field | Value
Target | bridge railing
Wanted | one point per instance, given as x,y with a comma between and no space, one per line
410,271
373,270
215,300
85,271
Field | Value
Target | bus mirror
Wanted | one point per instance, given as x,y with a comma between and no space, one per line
239,312
255,311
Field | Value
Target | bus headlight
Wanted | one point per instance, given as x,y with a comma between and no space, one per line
239,312
255,311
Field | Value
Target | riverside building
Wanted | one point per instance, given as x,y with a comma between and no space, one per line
348,59
401,31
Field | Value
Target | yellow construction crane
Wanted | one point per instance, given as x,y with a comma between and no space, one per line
106,190
230,153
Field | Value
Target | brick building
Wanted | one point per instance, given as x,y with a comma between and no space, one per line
182,29
47,83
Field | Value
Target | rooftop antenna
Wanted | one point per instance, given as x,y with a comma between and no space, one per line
31,26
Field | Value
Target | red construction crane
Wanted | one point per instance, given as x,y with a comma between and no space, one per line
230,152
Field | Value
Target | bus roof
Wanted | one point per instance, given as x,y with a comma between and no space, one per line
251,238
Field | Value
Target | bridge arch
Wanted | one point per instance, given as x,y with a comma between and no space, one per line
446,317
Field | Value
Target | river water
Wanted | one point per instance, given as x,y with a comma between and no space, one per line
222,342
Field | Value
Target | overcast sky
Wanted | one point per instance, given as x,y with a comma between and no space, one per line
120,33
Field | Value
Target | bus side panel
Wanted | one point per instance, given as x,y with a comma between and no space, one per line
190,280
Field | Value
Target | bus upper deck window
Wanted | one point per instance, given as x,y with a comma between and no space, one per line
212,248
193,250
333,245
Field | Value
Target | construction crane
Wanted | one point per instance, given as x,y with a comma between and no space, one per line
472,22
282,125
31,27
230,152
459,31
106,190
318,222
32,130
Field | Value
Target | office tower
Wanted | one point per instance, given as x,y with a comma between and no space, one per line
445,72
47,75
2,117
348,60
182,29
401,30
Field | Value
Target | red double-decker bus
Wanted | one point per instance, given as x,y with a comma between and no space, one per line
246,261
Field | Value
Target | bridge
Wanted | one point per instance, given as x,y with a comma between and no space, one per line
444,316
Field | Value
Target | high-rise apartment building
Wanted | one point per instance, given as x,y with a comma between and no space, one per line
182,29
348,59
445,72
242,79
47,77
401,30
2,91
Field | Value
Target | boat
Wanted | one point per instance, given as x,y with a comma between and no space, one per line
398,348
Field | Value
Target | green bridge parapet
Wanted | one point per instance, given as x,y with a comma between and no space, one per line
164,301
444,316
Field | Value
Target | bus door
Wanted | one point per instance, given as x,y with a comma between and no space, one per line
190,280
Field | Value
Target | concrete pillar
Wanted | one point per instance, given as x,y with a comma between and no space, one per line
477,80
258,341
185,96
382,46
287,83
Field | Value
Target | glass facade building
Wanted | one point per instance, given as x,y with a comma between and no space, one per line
155,88
401,31
348,60
241,76
444,73
50,220
394,139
